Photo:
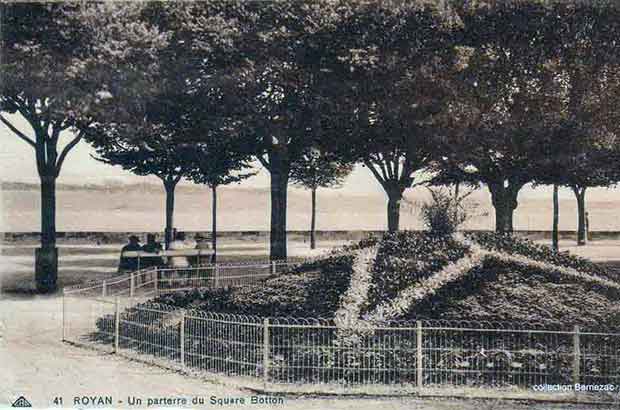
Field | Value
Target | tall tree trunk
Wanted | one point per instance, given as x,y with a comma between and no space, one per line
500,219
504,199
313,221
395,196
279,184
170,187
214,222
580,194
510,213
555,240
46,257
394,182
499,204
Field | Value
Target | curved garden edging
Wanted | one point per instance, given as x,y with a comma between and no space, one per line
379,356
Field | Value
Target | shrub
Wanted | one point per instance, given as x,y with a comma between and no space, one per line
514,245
405,257
497,288
443,215
310,289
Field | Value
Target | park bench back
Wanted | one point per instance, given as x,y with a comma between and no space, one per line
176,252
202,255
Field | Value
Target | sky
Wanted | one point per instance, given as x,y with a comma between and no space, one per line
17,164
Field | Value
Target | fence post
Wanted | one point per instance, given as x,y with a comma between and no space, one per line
265,352
182,338
156,281
273,267
103,289
419,359
117,317
576,355
132,284
216,275
64,313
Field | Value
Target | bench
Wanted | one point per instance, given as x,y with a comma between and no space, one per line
207,237
200,254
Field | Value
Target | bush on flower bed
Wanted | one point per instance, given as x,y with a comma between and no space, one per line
140,326
496,358
312,355
390,356
405,257
503,291
311,289
315,289
514,245
496,288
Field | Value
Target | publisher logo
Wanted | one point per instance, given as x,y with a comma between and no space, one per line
21,402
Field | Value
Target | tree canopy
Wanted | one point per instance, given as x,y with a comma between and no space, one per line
391,65
65,66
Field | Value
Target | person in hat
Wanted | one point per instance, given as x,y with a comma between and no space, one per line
180,243
152,246
129,263
181,263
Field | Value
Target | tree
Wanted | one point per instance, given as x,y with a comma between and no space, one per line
215,162
158,155
167,120
588,66
316,169
391,63
579,148
60,65
276,94
577,158
505,102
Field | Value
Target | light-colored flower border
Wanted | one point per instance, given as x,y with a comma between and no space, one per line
410,296
546,266
428,286
347,317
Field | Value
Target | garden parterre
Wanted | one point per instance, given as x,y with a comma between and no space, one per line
501,285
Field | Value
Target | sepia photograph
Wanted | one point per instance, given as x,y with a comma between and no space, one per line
310,204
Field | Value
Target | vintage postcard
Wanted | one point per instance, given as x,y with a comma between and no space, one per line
322,204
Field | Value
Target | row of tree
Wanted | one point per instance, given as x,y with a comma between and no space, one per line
495,93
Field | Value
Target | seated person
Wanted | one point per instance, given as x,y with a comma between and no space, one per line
180,243
151,246
129,263
180,262
202,244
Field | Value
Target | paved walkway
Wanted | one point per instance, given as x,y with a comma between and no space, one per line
36,364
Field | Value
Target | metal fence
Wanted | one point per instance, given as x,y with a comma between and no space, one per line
293,354
86,304
155,281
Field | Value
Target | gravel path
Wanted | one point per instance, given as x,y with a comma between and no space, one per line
36,364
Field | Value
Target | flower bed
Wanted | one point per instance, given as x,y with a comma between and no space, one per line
372,295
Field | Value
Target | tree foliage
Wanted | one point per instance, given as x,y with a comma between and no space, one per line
392,63
319,170
63,63
64,66
507,100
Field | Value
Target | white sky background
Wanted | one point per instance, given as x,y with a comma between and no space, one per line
17,164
